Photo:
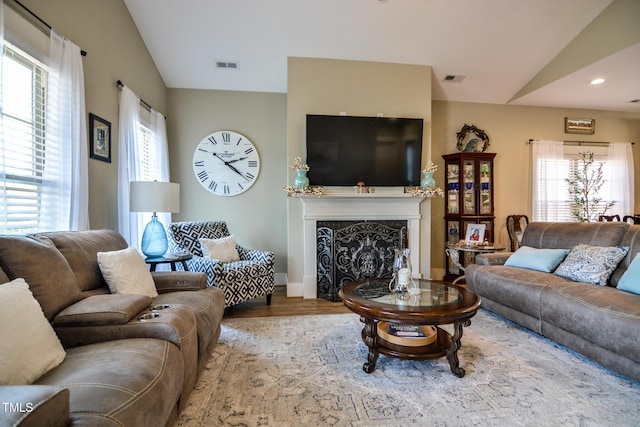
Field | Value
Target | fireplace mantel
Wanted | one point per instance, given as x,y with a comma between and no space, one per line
357,207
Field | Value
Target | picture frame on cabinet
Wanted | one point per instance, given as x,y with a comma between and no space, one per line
475,234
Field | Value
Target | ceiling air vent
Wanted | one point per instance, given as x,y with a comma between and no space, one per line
230,65
635,101
454,78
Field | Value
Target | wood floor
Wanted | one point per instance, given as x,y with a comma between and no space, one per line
283,306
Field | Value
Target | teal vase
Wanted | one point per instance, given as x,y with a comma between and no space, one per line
301,181
427,181
154,239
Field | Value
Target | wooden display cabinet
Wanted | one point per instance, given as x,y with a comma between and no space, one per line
469,193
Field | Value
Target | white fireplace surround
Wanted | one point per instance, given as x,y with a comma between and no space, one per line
357,207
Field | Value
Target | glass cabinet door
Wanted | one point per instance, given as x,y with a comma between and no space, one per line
453,188
485,187
453,232
468,177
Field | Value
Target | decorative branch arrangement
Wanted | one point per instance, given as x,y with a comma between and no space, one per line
293,191
429,192
427,184
298,165
301,185
584,187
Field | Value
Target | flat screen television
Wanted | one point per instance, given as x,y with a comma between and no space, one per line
380,151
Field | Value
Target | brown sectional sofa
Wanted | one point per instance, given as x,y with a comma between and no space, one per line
118,369
601,322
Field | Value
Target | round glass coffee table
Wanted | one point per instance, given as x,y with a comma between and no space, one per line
400,325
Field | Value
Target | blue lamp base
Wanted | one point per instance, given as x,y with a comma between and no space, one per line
154,239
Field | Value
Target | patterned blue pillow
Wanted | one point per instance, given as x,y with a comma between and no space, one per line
591,264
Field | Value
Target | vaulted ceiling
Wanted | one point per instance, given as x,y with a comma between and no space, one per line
518,52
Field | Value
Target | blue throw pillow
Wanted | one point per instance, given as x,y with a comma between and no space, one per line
591,264
537,259
630,280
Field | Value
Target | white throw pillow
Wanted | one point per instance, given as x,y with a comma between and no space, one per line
29,347
223,249
126,272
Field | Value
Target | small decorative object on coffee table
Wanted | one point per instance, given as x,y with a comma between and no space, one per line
416,319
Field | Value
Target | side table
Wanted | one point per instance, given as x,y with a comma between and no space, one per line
453,252
168,259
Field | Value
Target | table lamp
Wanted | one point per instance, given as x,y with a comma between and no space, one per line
154,196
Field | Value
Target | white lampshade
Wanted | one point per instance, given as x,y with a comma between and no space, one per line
154,196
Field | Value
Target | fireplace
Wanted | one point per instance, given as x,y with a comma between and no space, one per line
374,208
355,250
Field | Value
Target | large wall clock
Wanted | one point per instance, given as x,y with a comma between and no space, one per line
226,163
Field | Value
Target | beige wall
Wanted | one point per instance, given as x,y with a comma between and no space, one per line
510,128
260,217
323,86
115,51
256,217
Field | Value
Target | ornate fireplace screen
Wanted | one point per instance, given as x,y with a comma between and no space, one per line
355,250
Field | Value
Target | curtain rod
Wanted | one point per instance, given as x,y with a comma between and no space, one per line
120,85
579,143
82,52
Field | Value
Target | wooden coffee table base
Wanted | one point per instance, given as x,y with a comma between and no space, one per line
445,345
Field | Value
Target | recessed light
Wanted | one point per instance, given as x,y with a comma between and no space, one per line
597,81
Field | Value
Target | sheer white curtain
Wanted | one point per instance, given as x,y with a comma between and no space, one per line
65,201
620,181
144,156
161,146
128,165
548,180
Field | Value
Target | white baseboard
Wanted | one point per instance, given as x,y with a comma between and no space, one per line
280,279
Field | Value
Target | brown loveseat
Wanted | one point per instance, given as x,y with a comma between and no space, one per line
601,322
119,368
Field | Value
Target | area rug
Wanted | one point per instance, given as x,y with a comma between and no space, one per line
307,371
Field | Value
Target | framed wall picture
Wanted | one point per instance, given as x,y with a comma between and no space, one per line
99,138
583,126
475,234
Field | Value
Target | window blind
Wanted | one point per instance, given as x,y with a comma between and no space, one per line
22,148
563,202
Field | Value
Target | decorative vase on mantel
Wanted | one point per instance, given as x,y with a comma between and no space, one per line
301,180
427,182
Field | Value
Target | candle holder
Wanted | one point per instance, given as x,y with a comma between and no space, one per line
402,284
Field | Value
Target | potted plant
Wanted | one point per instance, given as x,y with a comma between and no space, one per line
584,188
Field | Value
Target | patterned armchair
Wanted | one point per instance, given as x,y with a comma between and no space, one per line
251,277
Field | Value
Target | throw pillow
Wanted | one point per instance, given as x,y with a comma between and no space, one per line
630,280
223,249
537,259
591,264
126,272
29,347
36,259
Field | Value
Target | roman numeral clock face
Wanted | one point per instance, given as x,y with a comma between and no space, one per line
226,163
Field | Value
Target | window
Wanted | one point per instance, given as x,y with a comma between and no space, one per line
149,155
563,202
603,193
23,154
551,190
